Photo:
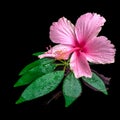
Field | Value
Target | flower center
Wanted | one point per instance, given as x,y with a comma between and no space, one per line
64,54
77,49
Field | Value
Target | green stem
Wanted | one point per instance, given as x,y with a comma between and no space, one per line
64,68
60,64
64,63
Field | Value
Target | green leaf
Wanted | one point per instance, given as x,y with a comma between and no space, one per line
96,82
36,63
41,86
37,53
34,73
71,89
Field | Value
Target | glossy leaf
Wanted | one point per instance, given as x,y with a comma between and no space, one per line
36,63
105,79
34,73
71,89
41,86
96,82
37,53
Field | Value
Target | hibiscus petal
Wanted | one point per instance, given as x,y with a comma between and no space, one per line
88,26
79,65
62,32
100,50
60,52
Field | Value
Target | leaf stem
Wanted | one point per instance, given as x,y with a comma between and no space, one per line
60,64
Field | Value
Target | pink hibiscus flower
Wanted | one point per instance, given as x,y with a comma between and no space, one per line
80,43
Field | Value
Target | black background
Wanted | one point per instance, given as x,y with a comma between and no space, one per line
26,30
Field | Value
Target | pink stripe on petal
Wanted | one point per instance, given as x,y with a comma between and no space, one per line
100,50
88,26
62,32
79,65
